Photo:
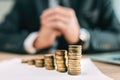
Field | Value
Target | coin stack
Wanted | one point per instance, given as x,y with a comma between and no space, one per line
60,59
39,61
74,58
49,62
31,61
24,60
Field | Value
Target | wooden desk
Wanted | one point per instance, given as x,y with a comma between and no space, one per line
110,70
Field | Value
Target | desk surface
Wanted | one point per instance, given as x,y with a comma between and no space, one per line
110,70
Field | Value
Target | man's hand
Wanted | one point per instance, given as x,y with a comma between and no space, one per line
63,20
46,38
55,22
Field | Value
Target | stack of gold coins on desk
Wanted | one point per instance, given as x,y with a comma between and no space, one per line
60,59
31,61
74,58
24,60
49,62
39,61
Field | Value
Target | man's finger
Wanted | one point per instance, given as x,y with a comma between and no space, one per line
66,12
57,25
56,17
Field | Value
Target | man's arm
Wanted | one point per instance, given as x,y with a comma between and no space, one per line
11,37
107,38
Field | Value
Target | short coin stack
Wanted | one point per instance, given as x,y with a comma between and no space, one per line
31,62
60,59
74,58
24,60
49,62
39,61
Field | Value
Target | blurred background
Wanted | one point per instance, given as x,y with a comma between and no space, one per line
6,5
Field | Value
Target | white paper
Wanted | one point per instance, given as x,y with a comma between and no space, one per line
15,70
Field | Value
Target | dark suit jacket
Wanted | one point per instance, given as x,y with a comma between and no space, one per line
97,16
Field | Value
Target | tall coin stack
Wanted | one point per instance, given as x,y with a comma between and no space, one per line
74,58
60,59
39,61
49,62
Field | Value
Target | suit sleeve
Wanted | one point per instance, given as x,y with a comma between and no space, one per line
11,34
107,37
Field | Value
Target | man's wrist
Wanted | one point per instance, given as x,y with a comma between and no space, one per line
85,38
28,43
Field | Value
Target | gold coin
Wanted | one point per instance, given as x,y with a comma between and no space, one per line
62,69
61,52
74,69
39,61
75,65
74,73
59,57
24,60
50,61
48,64
74,54
75,50
74,57
31,62
61,65
73,61
39,65
50,68
48,56
60,62
75,46
40,58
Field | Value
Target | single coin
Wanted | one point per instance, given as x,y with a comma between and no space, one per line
39,65
59,57
78,57
75,46
50,68
73,61
74,54
49,56
39,61
24,60
75,65
61,65
61,62
74,69
61,52
40,58
62,69
48,64
74,73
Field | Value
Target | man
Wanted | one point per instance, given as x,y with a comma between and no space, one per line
32,26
